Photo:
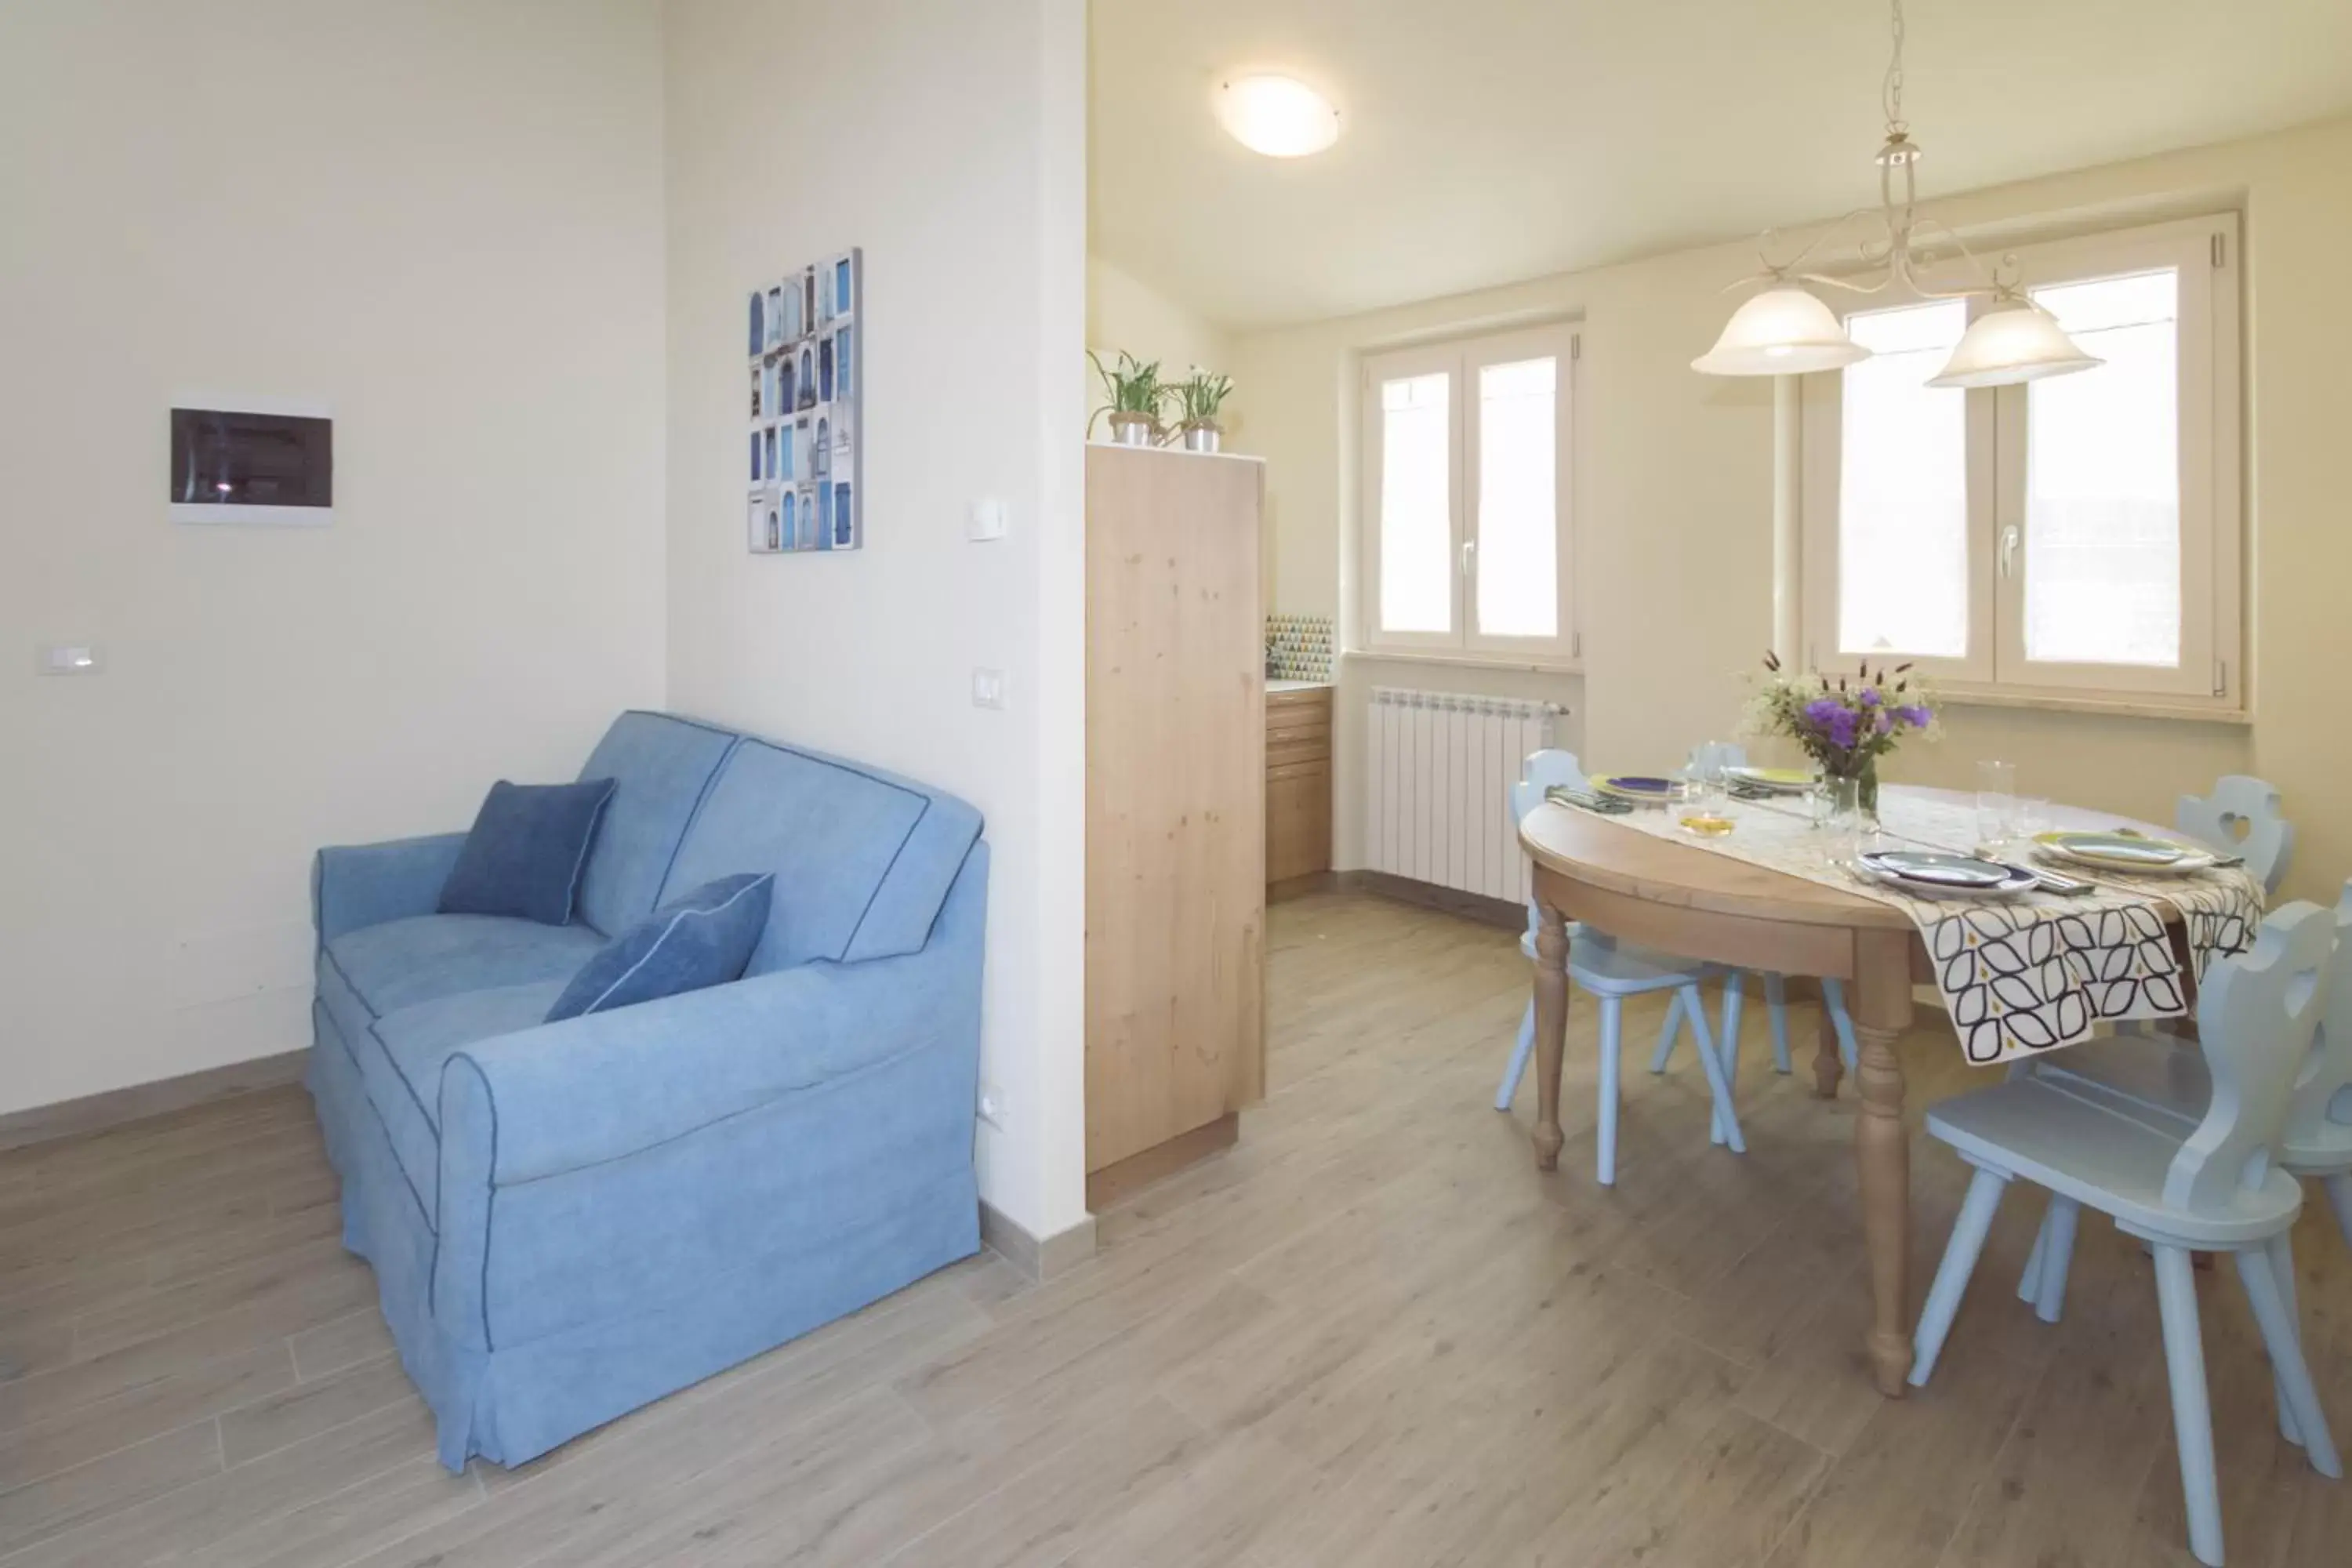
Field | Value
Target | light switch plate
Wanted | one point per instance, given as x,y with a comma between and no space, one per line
988,689
984,520
69,658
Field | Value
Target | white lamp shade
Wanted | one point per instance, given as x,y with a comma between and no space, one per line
1277,115
1782,332
2012,343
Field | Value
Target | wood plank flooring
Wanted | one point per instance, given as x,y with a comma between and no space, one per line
1369,1334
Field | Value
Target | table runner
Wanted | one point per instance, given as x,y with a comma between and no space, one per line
2018,976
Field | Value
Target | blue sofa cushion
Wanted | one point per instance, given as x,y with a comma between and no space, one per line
703,939
400,1058
863,858
660,766
425,958
526,850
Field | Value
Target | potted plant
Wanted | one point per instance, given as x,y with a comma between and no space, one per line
1845,723
1199,396
1137,396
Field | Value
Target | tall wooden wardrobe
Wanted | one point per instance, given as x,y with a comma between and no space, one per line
1175,809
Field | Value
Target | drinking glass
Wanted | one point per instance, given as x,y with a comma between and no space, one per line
1996,801
1845,823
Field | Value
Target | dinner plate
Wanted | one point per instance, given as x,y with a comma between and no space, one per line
1637,786
2129,852
2017,879
1945,870
1779,780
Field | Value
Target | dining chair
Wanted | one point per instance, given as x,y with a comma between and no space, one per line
1719,755
2212,1187
1610,972
2165,1077
2241,817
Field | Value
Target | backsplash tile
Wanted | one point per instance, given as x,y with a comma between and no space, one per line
1298,647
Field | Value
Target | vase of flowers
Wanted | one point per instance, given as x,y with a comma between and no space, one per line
1845,723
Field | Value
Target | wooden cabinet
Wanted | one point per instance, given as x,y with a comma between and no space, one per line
1298,782
1176,765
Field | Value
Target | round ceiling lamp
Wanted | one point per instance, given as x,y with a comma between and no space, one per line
1278,116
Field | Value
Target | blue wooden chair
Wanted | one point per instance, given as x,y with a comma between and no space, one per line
1726,754
2215,1187
2165,1077
1609,971
2241,817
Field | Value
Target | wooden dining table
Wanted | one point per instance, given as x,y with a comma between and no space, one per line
1688,899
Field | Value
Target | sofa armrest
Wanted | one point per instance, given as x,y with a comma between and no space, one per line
593,1088
357,885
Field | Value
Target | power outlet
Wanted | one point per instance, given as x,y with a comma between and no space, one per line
992,1106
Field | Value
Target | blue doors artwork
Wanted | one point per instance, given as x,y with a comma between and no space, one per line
804,391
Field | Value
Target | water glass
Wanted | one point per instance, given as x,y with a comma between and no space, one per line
1996,801
1844,797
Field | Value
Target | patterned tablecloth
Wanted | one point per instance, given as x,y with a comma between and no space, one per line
2018,976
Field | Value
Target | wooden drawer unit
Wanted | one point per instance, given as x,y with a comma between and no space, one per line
1298,782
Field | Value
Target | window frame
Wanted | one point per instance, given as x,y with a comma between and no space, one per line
1460,359
2211,678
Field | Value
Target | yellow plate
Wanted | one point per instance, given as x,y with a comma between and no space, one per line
1771,778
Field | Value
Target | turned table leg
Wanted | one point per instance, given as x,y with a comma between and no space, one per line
1829,1067
1882,1149
1551,1029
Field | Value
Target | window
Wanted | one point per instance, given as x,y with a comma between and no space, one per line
2075,537
1465,497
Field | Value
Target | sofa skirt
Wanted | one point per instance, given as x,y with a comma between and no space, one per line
517,1401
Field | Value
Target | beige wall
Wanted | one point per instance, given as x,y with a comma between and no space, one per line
1675,493
970,206
443,220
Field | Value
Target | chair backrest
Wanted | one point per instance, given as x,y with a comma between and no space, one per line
1542,771
2256,1014
2241,817
1712,755
2322,1109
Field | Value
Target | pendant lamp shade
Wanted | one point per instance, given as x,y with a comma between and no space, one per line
1784,330
2012,343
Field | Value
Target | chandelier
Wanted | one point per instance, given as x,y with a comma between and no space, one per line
1786,329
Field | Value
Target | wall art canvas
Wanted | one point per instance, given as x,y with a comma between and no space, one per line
807,488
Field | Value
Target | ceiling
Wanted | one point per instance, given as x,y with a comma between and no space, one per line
1486,142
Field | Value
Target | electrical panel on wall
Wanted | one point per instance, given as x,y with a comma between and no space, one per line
807,392
242,460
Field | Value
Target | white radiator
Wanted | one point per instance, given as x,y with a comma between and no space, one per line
1441,765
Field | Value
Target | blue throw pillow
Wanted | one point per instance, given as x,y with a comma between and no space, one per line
703,939
524,856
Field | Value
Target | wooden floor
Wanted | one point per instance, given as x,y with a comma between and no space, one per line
1370,1334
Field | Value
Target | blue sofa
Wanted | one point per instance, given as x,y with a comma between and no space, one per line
570,1220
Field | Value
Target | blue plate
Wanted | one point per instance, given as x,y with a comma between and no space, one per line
1636,787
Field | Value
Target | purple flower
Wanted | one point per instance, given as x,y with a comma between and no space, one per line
1842,728
1823,710
1917,715
1870,697
1886,722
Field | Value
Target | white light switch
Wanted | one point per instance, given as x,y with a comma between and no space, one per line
985,520
78,658
988,689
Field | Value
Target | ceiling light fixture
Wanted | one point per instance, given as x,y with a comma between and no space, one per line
1279,116
1785,330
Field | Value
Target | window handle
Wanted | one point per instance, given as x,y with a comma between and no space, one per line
1469,558
2009,538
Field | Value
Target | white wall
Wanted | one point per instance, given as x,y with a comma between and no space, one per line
947,141
1675,493
441,217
